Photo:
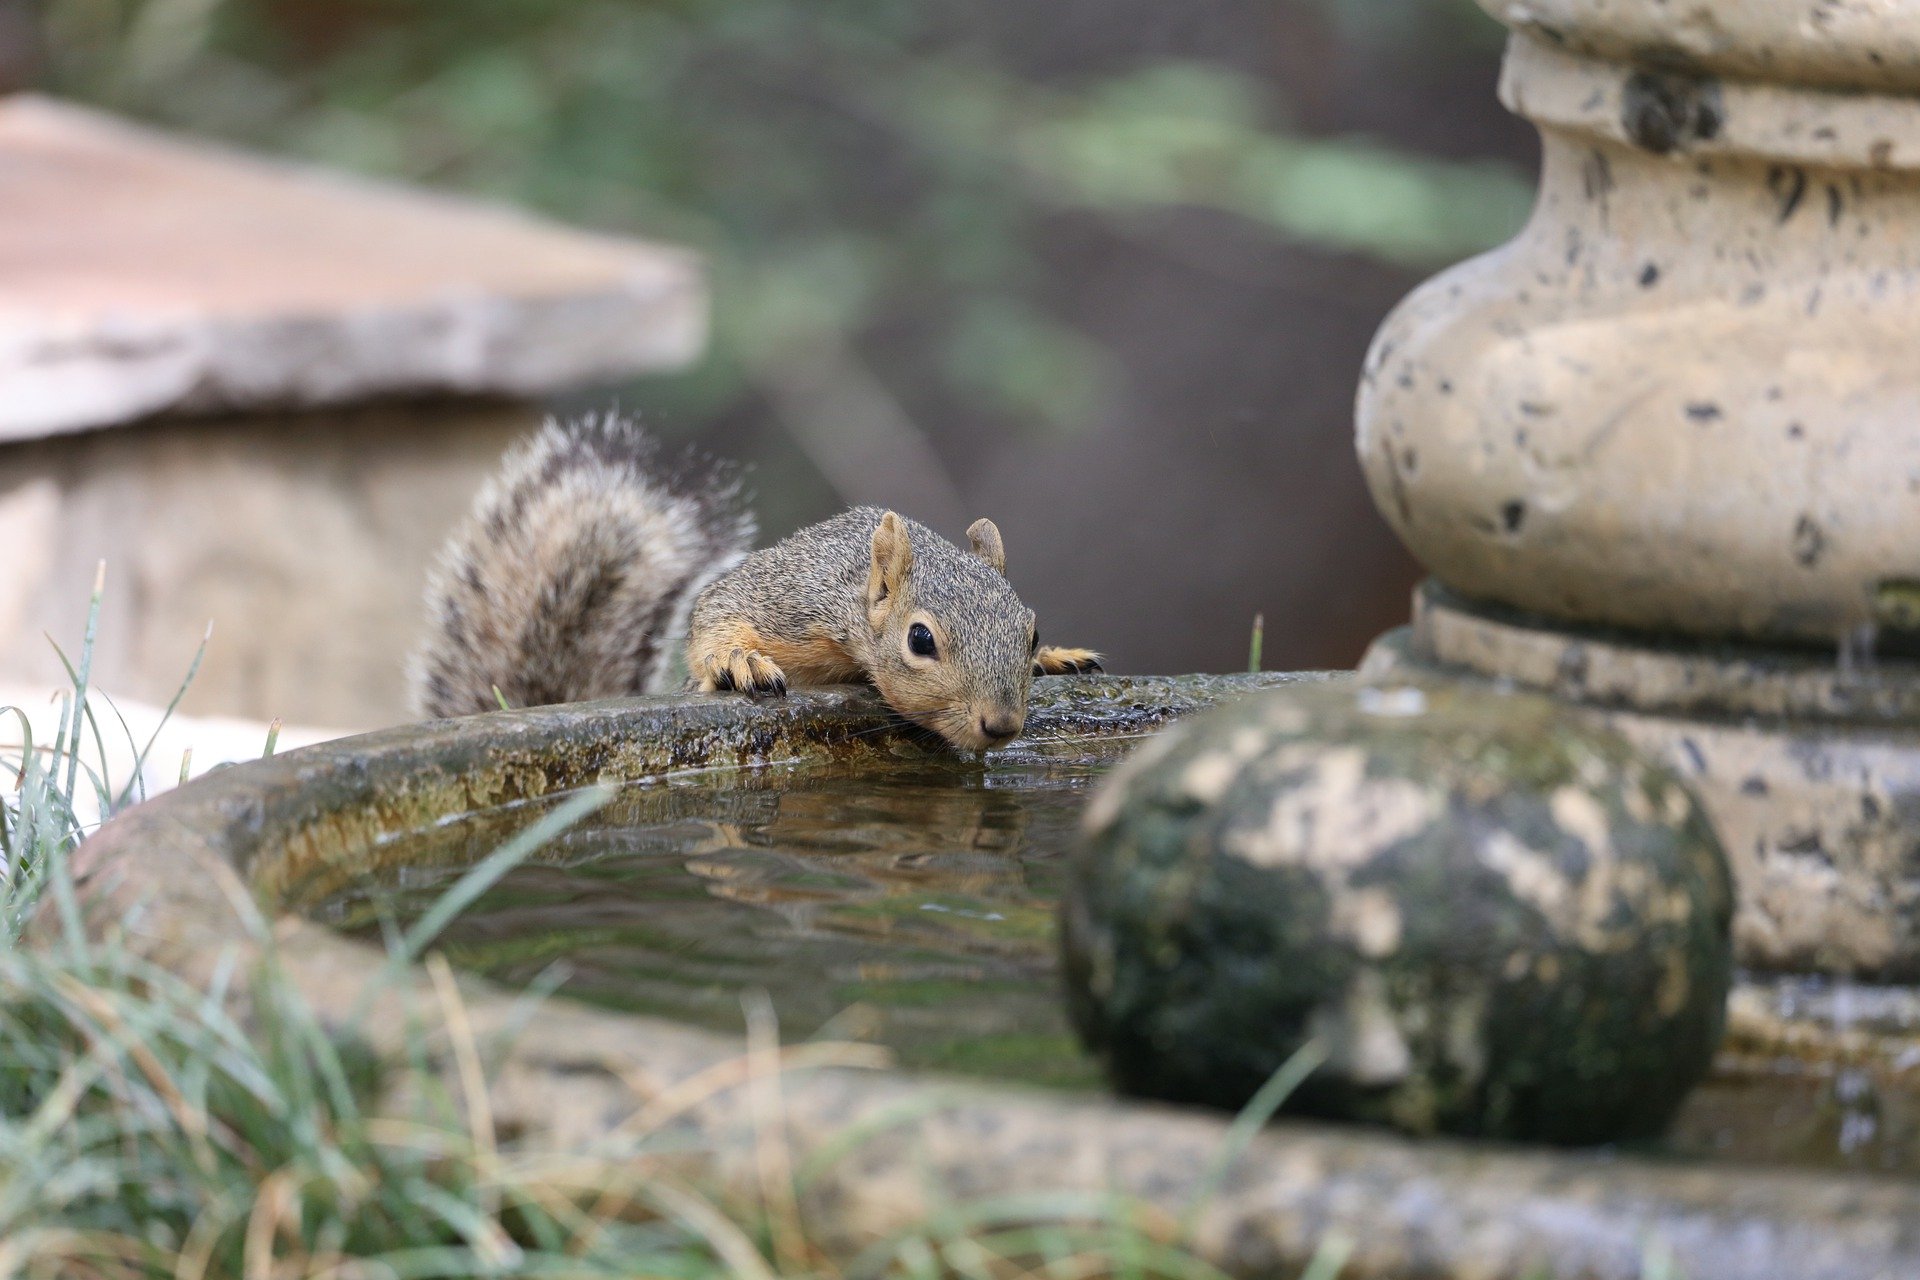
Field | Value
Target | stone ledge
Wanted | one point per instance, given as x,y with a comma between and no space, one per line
1726,680
143,273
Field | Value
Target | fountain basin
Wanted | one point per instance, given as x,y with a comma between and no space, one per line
167,876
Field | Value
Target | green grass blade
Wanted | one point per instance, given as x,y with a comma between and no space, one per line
166,714
86,671
1247,1125
1330,1259
79,682
43,788
486,873
137,779
59,750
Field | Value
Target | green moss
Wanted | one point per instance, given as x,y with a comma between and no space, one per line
1896,604
1052,1061
1448,916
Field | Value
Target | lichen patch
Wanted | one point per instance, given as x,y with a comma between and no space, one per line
1533,877
1209,776
1336,816
1581,816
1370,919
1671,996
1362,1039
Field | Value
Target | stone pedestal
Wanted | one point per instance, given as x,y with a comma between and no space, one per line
1662,452
1809,772
263,395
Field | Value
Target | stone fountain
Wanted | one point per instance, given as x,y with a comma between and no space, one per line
1661,454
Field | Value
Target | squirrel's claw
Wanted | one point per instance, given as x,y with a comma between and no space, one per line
747,670
1055,661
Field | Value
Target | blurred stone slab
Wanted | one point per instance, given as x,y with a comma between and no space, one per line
309,377
142,273
304,539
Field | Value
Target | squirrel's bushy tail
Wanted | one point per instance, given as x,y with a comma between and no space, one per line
573,577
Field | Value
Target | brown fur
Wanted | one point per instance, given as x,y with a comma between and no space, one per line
573,574
1051,660
579,564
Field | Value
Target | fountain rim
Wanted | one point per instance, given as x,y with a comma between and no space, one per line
177,879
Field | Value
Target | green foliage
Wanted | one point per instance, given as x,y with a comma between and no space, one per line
839,163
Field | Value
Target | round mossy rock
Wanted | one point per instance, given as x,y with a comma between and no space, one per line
1493,918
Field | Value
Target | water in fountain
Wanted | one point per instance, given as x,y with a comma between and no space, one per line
914,906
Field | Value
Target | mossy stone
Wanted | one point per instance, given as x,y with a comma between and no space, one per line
1496,920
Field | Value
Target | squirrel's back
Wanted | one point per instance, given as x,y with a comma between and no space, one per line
573,575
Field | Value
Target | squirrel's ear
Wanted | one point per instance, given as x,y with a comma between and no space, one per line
892,558
985,536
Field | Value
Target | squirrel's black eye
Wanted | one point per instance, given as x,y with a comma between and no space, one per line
920,640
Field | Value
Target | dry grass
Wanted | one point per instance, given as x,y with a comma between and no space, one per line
153,1128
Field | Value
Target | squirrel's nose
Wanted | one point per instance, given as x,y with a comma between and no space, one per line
999,728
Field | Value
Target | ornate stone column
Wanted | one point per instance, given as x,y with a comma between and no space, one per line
1685,399
1662,452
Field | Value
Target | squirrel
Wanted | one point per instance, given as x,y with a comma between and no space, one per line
584,559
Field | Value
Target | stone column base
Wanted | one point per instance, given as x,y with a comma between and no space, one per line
1808,766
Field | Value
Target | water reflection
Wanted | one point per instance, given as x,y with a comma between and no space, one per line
914,908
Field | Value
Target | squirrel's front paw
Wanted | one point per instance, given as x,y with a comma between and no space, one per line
1055,661
748,670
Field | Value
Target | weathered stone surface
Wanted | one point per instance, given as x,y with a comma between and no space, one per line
140,272
569,1078
304,539
1681,401
1494,920
1850,44
1829,1026
1598,667
1808,768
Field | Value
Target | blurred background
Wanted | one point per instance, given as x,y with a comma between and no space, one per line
1104,270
